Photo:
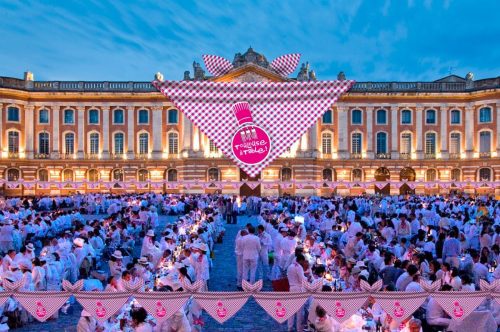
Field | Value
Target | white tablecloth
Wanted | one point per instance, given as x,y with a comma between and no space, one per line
477,321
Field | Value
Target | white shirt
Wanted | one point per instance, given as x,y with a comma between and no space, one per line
295,275
250,246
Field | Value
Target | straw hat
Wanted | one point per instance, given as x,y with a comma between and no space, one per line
117,254
30,247
143,261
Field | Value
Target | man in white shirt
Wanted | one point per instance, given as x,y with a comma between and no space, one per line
295,275
250,248
265,245
239,256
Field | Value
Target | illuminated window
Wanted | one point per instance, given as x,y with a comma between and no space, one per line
69,143
405,143
356,143
94,143
173,143
118,143
13,138
286,174
326,143
143,143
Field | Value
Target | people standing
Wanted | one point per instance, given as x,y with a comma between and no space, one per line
250,247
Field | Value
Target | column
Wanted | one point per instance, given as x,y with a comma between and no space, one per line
343,133
55,132
28,131
196,139
469,131
418,134
130,132
157,131
313,140
81,134
105,132
187,127
394,132
498,129
369,133
444,131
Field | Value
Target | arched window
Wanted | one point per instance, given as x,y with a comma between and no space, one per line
93,175
143,116
13,114
485,115
356,141
173,143
455,117
213,174
326,143
357,174
172,175
455,144
69,116
328,117
327,174
93,116
143,143
431,175
117,174
118,116
142,175
43,175
381,143
430,117
407,174
212,147
484,174
382,174
94,143
173,116
430,145
485,141
286,174
13,174
67,175
405,147
43,143
13,138
69,143
381,117
455,174
406,117
356,117
118,143
43,116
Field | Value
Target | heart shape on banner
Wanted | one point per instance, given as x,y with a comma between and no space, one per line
102,305
42,305
279,305
221,305
459,304
400,305
162,305
284,110
340,306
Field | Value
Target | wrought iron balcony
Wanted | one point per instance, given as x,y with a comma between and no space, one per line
67,156
117,156
356,156
430,156
92,156
13,155
484,154
41,156
142,156
405,155
383,156
454,156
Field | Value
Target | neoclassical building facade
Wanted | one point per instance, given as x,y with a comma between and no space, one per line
446,130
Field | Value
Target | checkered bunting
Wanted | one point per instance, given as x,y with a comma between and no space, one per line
340,306
162,305
42,305
286,110
459,304
279,305
286,64
400,305
221,305
217,65
102,305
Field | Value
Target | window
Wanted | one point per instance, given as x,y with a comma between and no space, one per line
326,143
455,174
118,117
405,143
173,116
118,139
406,117
286,174
93,175
43,116
143,117
357,174
43,175
430,117
484,174
69,116
94,143
143,143
431,175
212,147
356,143
381,117
43,143
93,117
356,117
328,117
13,174
172,175
485,115
13,114
484,142
455,117
381,143
13,137
430,144
173,143
69,143
455,143
117,174
143,175
67,175
213,174
327,174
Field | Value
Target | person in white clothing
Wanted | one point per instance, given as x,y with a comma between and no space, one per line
295,276
239,256
250,248
265,245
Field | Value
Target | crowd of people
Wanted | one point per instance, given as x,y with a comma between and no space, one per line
106,239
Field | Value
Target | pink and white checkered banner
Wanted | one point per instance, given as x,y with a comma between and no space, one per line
162,305
221,306
340,306
278,113
400,305
281,306
102,305
459,304
42,305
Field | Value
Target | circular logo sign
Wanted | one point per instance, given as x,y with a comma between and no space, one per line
251,144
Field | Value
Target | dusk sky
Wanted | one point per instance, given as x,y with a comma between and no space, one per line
398,40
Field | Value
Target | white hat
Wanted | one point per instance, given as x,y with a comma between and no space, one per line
117,254
143,261
79,242
360,264
30,247
150,233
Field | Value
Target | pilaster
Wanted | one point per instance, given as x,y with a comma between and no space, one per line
130,132
469,131
157,131
394,132
419,139
55,132
444,131
28,130
81,131
105,132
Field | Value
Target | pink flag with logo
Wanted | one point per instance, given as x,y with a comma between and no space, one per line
281,305
221,305
102,305
400,305
340,306
459,304
162,305
42,305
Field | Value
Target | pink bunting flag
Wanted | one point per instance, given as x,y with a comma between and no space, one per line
162,305
221,305
285,64
459,304
217,65
253,184
340,306
281,306
42,305
102,305
400,305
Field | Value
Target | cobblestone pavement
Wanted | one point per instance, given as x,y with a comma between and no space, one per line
222,278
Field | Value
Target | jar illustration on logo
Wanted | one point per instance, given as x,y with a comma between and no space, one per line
339,311
100,311
160,310
40,310
221,310
458,311
251,143
280,310
398,310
